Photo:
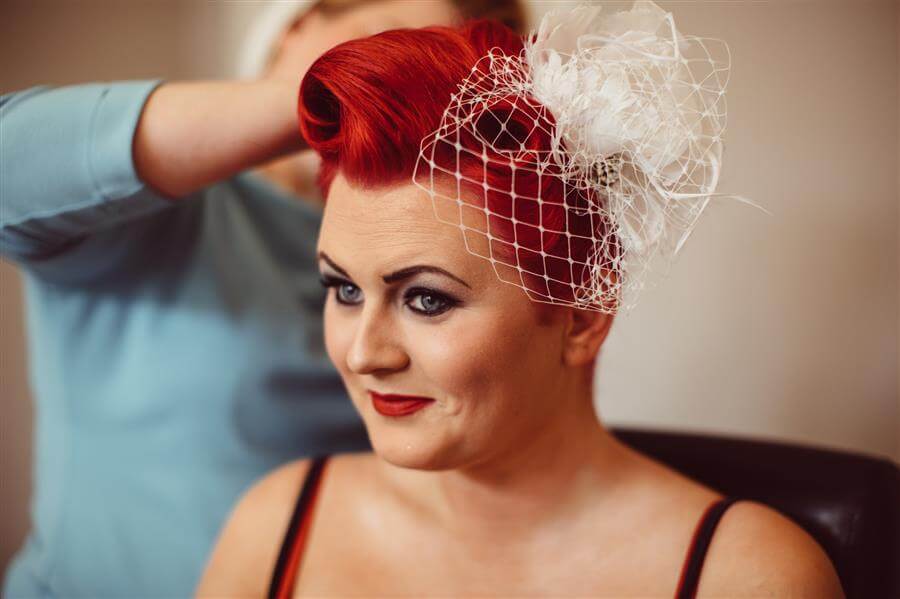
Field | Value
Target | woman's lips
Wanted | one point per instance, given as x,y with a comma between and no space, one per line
398,405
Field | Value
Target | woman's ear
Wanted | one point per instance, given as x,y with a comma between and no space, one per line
585,332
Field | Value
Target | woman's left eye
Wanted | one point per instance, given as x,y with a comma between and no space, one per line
428,303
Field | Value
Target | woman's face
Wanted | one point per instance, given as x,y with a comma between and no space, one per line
411,312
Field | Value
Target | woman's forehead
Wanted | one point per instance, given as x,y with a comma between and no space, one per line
390,227
359,209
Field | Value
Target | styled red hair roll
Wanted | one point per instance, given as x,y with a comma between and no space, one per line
366,105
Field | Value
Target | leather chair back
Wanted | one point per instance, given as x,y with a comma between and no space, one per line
849,503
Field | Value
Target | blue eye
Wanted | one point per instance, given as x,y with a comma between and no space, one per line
420,300
428,302
346,293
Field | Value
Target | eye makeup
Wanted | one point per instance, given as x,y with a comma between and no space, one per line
422,300
402,274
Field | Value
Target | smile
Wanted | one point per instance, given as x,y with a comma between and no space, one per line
398,405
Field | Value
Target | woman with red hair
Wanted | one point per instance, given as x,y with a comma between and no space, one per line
166,236
491,472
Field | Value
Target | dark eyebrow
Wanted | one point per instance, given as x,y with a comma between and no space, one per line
410,271
324,256
403,273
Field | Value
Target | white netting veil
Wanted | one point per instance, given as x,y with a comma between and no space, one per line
583,164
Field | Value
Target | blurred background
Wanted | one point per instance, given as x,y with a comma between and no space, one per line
783,327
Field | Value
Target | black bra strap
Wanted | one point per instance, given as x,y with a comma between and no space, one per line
300,509
690,577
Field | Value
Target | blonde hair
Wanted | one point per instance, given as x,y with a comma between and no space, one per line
509,12
258,47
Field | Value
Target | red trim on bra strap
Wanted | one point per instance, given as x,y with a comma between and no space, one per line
687,581
696,555
286,590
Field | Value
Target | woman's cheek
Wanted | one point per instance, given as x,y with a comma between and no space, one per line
490,358
459,360
337,338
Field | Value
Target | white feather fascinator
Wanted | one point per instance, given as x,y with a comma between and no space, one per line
635,113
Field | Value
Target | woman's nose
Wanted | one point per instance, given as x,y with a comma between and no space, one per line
375,346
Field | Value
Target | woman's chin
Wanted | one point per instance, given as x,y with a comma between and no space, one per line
407,453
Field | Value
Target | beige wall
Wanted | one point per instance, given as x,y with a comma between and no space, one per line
782,326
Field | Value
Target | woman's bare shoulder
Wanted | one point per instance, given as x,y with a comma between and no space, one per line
756,552
251,538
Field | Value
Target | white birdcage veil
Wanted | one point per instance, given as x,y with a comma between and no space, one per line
631,114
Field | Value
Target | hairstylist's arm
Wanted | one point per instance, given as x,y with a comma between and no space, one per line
85,159
67,171
195,133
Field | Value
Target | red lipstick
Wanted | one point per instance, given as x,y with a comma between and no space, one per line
398,405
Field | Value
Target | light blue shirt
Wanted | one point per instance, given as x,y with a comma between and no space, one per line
175,347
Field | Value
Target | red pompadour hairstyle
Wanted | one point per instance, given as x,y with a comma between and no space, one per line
366,105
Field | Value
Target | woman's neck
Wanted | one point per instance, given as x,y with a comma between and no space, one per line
523,491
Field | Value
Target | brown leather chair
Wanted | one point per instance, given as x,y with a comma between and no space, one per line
849,503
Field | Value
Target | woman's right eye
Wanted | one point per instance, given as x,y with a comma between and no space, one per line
348,293
345,292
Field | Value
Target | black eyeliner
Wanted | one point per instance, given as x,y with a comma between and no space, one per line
414,291
331,281
448,301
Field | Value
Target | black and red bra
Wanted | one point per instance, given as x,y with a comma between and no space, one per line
289,558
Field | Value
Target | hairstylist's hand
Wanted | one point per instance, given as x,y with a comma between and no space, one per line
192,134
315,33
297,49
